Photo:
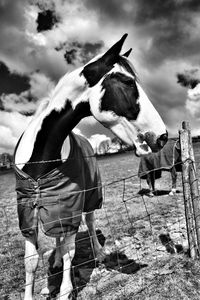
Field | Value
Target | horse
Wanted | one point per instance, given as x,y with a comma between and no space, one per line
57,178
167,159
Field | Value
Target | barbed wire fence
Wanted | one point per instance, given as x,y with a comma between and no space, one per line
135,230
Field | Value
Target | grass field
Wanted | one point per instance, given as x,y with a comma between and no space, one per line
140,232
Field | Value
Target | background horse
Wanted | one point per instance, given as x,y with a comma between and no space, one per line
56,173
167,159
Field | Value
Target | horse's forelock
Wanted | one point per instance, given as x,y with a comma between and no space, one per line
128,66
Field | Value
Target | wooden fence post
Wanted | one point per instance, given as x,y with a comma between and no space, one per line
186,159
194,192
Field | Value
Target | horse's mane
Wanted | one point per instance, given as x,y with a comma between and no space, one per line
42,106
128,66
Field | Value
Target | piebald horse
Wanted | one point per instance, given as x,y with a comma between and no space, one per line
106,88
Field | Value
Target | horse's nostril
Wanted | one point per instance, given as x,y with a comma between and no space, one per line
141,137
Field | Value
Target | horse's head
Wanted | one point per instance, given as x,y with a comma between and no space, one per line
118,101
107,88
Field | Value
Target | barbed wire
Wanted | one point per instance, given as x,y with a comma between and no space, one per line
130,219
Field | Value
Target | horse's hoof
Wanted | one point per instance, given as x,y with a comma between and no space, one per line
150,194
45,291
101,255
173,192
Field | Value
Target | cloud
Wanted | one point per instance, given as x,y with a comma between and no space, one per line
18,103
193,101
164,36
160,31
17,110
170,26
11,82
27,102
12,124
89,126
190,78
100,143
81,53
7,140
26,50
46,20
40,85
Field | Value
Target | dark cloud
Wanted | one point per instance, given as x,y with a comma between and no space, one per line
43,4
169,24
46,20
11,13
142,12
89,50
1,105
189,78
12,82
148,11
80,51
13,36
112,9
70,55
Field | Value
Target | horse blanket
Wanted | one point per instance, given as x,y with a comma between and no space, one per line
165,159
59,197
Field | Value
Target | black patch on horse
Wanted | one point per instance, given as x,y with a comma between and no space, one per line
120,96
83,109
55,128
94,71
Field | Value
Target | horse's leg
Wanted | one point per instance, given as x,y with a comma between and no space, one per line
174,178
98,249
31,259
90,221
67,251
58,255
47,289
151,183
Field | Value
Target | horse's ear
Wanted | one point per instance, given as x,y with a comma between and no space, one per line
94,71
126,54
111,56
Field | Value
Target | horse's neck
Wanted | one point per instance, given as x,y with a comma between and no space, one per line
46,140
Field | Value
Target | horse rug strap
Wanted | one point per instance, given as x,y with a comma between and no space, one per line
58,198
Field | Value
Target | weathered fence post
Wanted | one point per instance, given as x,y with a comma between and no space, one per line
187,157
194,192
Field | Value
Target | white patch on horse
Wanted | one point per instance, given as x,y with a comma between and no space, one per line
65,149
28,139
148,117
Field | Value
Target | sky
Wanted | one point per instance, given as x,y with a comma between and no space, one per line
41,40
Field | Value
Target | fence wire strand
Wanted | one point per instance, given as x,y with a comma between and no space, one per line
123,239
